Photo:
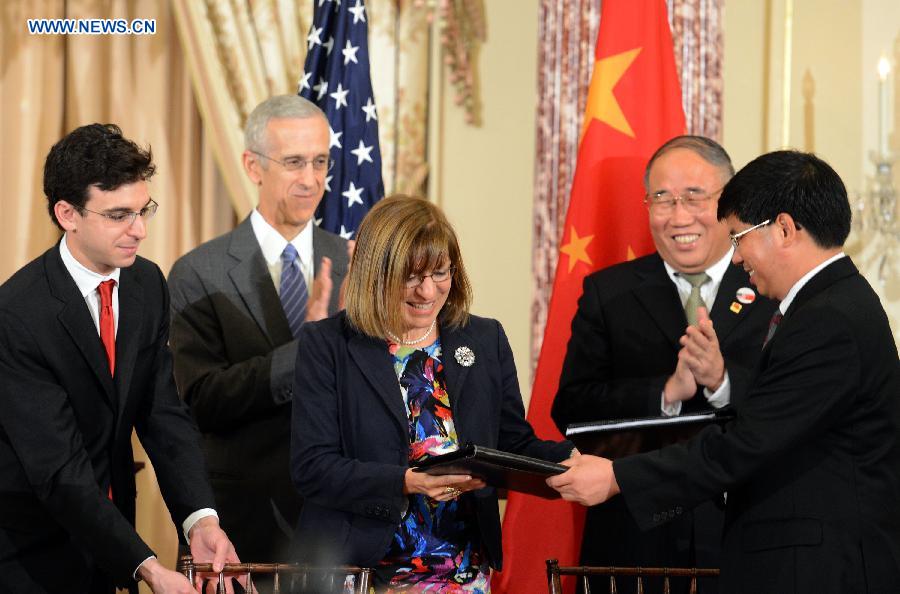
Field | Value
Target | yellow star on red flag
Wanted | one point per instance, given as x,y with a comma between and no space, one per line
601,103
576,249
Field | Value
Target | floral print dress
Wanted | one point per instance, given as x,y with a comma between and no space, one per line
437,547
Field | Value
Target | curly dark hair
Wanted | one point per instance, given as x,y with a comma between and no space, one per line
93,155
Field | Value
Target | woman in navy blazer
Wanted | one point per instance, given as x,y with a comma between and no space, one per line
404,374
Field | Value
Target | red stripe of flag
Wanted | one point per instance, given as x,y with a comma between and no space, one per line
634,106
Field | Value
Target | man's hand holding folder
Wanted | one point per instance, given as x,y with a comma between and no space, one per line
590,480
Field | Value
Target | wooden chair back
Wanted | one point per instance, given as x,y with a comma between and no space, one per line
286,577
554,571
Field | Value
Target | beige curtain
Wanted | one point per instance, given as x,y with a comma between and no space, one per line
240,53
399,36
50,84
31,118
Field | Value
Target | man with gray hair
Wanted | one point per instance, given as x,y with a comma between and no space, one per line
671,333
238,302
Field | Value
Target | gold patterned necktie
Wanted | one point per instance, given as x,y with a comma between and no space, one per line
694,300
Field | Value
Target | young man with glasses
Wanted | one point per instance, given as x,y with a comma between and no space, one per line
84,361
812,462
643,344
238,302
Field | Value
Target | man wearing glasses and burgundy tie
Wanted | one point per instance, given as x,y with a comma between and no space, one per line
238,302
812,461
84,361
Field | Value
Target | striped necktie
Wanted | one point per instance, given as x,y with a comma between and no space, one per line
773,325
293,291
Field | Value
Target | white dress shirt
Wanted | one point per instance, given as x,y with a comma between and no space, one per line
272,245
88,281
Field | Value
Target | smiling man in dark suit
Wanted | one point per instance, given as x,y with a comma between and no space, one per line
237,304
84,361
812,462
643,345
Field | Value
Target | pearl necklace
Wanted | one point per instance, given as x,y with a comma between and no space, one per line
397,339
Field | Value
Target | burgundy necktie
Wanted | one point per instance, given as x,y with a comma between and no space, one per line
108,323
773,324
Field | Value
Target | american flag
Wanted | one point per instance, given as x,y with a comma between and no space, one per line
336,78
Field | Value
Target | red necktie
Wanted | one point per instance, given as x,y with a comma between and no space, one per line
108,332
108,323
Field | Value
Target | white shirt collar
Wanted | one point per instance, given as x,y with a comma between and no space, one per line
272,243
710,289
715,272
86,279
789,298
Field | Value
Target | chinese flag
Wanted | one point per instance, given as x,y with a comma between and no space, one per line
633,106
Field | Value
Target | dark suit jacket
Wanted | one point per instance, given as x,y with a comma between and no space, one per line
234,365
623,348
812,462
65,429
350,445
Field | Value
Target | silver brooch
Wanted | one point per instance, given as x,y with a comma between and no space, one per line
464,356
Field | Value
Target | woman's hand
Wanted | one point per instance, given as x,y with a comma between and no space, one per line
439,488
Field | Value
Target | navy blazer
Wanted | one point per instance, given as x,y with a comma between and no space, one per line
812,462
349,439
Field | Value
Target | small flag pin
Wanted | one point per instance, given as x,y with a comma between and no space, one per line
746,295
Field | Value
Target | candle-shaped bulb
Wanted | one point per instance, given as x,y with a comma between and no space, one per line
884,68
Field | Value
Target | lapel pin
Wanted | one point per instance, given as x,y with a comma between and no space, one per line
746,295
736,307
464,356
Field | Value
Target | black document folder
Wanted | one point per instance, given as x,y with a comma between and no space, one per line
623,437
498,469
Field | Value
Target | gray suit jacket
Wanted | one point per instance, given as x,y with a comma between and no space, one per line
234,366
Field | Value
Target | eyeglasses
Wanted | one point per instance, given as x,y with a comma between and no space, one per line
693,200
320,163
736,237
122,216
438,276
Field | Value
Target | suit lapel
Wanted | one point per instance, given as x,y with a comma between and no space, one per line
373,359
253,283
76,319
826,277
131,320
657,294
723,318
837,270
455,374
